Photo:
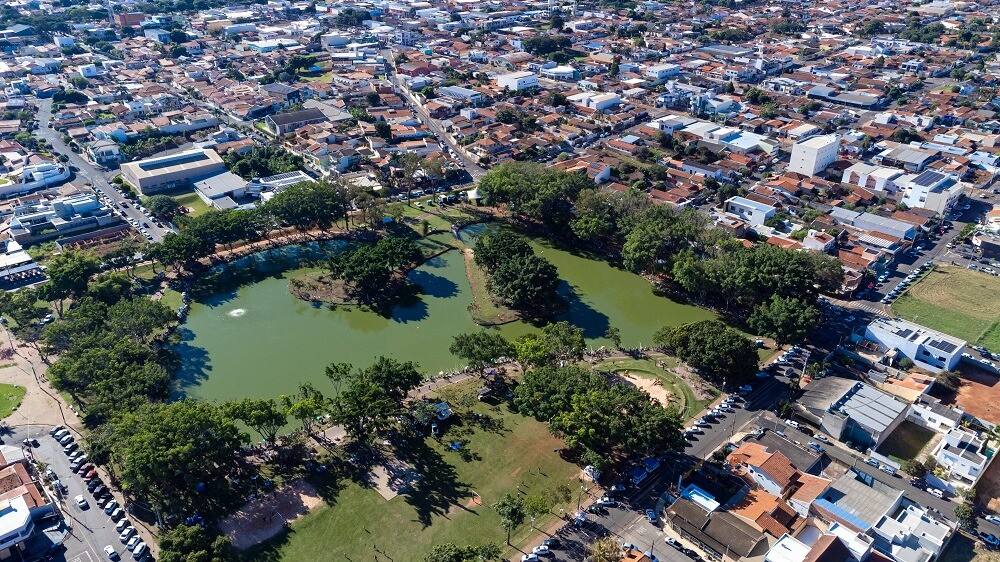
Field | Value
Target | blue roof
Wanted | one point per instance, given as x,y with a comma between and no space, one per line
843,514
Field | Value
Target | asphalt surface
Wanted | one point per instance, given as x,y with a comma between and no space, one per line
474,169
90,173
90,529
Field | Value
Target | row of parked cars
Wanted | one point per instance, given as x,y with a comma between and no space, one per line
101,495
901,286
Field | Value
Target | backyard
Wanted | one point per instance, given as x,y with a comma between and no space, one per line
951,299
498,452
906,441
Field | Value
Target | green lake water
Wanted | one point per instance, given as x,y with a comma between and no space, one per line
260,341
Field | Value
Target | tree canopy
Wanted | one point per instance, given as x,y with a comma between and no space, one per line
371,399
787,320
719,353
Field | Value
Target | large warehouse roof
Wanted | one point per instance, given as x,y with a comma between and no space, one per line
189,160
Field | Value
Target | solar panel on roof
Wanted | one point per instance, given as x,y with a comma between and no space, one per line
928,178
945,346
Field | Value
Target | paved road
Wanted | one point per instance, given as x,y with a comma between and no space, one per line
88,172
474,169
90,530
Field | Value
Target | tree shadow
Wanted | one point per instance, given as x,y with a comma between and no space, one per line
438,490
579,312
433,285
195,364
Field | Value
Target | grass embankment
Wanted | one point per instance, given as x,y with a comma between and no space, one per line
674,386
955,301
10,398
500,451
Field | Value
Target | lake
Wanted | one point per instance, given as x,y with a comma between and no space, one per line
260,341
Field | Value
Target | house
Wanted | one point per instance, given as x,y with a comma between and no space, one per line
696,517
283,123
965,455
927,348
857,502
910,533
22,501
870,176
104,152
753,212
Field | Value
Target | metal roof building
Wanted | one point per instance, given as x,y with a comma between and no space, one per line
851,411
164,172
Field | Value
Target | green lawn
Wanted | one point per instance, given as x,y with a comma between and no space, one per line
953,300
648,369
906,442
172,299
10,398
193,202
500,451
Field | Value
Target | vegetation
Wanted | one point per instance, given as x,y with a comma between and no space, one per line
787,320
261,162
368,271
370,401
162,206
721,355
605,424
193,543
10,398
950,299
517,276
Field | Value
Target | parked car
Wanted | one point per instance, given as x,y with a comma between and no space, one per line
651,516
872,462
110,552
140,551
133,542
540,550
792,423
81,502
990,539
936,492
887,469
552,543
126,534
110,506
816,447
995,519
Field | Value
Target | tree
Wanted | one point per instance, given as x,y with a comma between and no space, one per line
368,270
265,416
162,206
528,282
614,334
965,516
948,379
305,406
536,505
309,203
69,273
481,348
913,468
718,352
371,399
383,129
174,456
565,342
193,543
511,511
499,246
787,320
605,549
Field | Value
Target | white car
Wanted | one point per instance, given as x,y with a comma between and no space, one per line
110,551
81,501
126,534
792,423
540,550
133,542
995,519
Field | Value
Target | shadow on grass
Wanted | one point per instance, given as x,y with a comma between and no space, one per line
438,490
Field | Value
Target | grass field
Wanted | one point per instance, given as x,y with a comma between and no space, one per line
10,398
962,548
906,441
500,451
955,301
194,203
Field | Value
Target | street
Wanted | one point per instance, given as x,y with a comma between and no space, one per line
89,173
90,530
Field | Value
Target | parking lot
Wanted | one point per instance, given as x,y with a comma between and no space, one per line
90,529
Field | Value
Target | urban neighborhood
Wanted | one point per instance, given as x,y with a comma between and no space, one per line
499,280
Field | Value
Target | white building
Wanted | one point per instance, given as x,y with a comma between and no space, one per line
964,454
60,217
599,102
751,211
517,81
813,155
927,348
870,176
661,72
933,191
562,73
910,534
35,176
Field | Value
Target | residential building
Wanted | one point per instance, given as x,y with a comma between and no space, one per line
164,172
927,348
965,455
723,535
753,212
35,176
813,155
910,533
104,152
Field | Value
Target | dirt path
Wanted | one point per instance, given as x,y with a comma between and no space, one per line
41,405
